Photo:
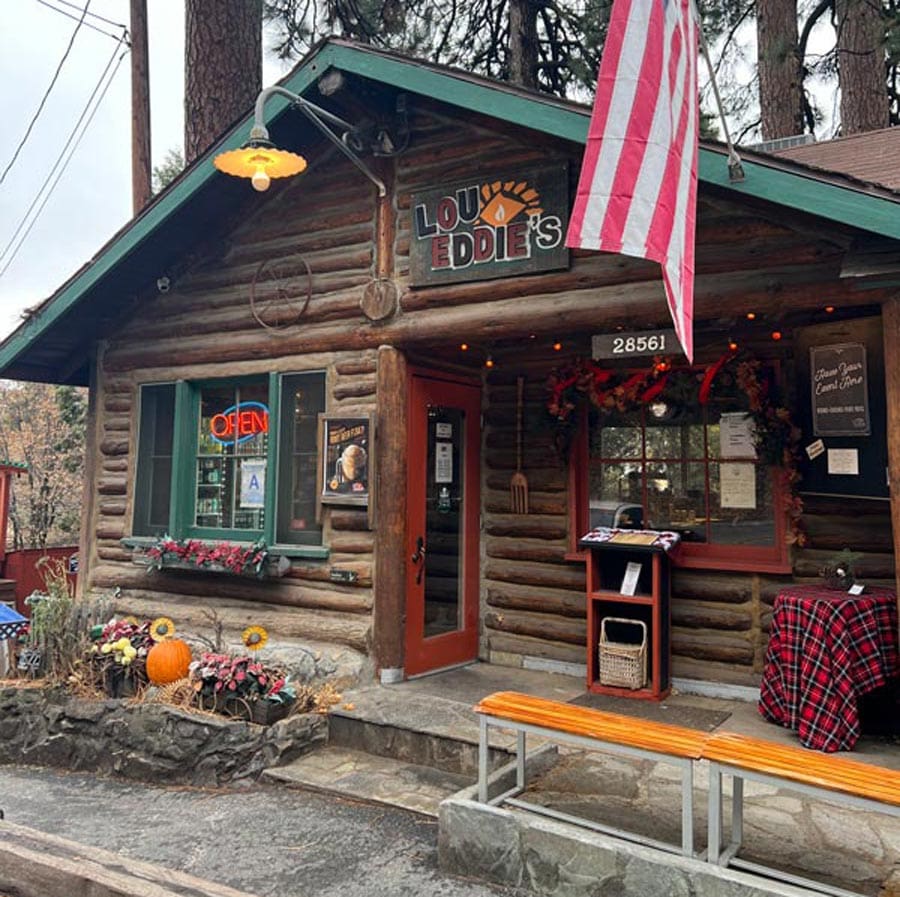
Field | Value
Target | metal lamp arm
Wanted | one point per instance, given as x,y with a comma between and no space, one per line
318,116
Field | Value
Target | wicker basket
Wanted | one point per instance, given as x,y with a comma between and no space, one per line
623,664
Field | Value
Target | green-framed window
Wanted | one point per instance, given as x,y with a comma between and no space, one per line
231,459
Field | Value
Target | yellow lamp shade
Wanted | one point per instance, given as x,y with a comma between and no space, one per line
260,161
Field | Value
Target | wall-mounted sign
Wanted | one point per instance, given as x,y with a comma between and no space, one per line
346,454
488,227
840,397
632,345
239,423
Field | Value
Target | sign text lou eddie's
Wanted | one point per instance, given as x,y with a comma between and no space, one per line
483,228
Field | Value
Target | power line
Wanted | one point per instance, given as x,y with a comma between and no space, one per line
48,190
46,93
93,15
87,24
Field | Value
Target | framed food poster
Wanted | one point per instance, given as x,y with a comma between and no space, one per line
346,458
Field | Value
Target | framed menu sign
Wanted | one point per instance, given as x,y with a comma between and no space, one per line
346,453
839,388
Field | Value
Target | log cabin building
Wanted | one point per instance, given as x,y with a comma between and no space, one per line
343,376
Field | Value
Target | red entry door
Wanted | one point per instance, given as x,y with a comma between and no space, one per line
443,518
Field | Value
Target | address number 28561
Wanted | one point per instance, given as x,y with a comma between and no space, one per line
620,345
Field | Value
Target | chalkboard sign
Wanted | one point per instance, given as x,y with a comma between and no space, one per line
849,459
839,388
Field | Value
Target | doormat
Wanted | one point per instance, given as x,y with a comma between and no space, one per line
676,712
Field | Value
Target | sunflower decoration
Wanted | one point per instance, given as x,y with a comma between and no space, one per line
162,628
254,637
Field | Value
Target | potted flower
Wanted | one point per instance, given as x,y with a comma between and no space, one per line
119,654
241,686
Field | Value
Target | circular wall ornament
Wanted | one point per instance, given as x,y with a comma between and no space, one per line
278,295
379,298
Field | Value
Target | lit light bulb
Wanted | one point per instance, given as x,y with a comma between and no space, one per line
829,309
464,347
557,347
751,315
489,363
260,180
776,335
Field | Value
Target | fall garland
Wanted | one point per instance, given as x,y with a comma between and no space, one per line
609,390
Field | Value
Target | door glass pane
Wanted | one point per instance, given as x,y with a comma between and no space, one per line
444,514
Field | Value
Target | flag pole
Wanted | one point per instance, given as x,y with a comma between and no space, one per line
735,168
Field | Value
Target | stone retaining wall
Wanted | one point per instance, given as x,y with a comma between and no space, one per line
147,742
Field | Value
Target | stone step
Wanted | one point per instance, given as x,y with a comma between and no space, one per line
423,730
362,776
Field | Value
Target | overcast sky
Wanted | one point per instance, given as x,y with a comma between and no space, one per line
92,198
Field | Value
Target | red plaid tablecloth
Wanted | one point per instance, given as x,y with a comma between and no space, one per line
825,649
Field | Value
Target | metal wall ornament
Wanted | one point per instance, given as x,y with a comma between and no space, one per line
279,296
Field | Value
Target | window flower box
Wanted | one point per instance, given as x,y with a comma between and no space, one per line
224,558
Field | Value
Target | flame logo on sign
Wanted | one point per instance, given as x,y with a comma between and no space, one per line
503,200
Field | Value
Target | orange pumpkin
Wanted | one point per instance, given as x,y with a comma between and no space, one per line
168,661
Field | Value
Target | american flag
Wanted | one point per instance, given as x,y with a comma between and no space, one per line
637,194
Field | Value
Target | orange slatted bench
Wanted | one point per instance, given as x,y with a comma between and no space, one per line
825,776
594,730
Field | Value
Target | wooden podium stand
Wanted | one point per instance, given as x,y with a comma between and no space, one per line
629,577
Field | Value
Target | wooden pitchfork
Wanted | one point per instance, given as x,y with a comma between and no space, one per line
518,485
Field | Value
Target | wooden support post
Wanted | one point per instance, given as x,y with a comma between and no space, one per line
890,322
141,189
390,499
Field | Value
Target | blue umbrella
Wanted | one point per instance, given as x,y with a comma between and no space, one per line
11,621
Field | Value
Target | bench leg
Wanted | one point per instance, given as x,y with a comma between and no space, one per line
737,816
714,815
687,809
520,761
483,759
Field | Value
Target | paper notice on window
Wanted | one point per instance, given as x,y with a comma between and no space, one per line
630,580
443,462
843,462
736,435
737,485
253,484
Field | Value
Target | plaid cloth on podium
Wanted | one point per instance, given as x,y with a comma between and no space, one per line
826,648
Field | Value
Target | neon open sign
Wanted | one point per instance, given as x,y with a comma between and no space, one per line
239,423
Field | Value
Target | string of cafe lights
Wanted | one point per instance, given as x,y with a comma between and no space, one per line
489,362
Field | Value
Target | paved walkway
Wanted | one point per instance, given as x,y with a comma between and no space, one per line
266,840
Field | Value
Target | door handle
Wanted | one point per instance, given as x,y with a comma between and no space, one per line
418,557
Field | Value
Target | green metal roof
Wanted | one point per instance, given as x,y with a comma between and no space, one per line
791,185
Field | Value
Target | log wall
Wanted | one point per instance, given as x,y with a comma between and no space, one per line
532,591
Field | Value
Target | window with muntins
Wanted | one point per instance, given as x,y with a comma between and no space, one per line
241,463
688,467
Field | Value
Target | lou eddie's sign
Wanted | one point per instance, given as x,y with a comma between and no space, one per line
491,227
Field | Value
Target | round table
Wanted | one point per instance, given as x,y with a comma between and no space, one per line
826,648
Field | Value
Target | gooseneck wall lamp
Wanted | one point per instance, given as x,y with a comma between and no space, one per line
260,160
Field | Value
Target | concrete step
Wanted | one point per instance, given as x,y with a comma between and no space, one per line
420,729
362,776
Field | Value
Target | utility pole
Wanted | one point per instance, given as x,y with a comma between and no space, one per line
140,107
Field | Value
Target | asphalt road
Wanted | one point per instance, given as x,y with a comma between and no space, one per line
264,839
